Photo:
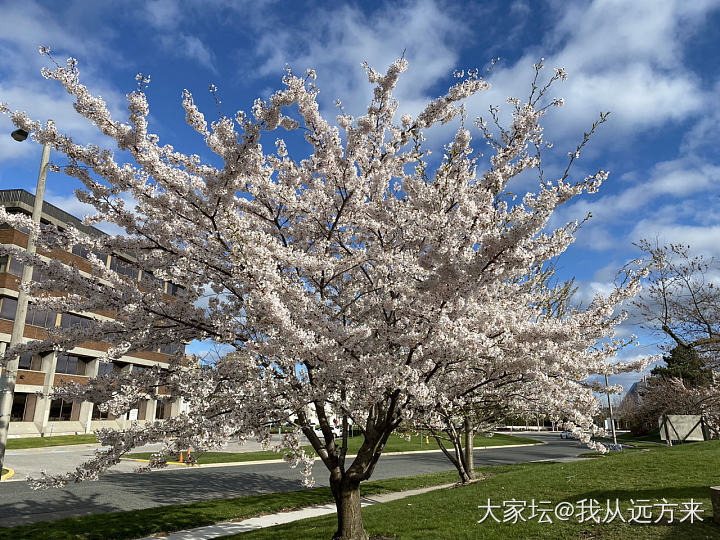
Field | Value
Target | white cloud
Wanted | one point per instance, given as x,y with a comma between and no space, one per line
208,351
22,30
703,239
336,41
189,46
588,291
672,191
626,380
520,7
163,13
44,100
678,178
622,57
70,204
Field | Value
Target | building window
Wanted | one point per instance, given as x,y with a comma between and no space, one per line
42,318
71,365
163,410
82,251
30,362
11,265
25,361
34,317
23,408
15,267
170,348
150,280
143,409
8,307
97,414
39,273
60,410
175,290
105,368
69,320
124,268
11,210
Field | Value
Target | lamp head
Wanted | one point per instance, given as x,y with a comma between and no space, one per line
19,135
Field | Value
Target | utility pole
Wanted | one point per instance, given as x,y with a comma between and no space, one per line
9,377
612,419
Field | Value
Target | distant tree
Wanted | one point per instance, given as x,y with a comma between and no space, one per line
686,364
671,396
683,302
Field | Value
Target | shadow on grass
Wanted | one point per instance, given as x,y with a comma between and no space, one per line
134,491
124,525
62,503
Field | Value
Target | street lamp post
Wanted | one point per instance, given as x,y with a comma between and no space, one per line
9,377
612,419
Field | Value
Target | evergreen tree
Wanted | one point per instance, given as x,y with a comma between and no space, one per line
684,363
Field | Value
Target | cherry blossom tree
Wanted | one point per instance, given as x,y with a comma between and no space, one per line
506,384
354,283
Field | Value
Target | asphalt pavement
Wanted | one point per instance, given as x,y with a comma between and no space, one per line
122,491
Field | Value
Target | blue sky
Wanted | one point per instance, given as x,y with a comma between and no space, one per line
654,65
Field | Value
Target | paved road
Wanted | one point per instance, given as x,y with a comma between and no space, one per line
131,491
30,462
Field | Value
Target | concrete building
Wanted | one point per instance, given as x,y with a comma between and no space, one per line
33,415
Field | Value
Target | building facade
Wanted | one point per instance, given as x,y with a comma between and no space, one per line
33,414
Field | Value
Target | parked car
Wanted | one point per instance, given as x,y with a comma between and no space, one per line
567,434
336,431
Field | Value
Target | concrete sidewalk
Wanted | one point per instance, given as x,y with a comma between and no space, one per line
235,527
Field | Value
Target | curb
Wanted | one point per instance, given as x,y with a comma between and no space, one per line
262,461
9,474
169,462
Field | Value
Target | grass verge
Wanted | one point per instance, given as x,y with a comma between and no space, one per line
675,474
653,436
139,523
41,442
395,444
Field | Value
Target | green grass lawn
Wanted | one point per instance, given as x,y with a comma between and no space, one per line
395,444
139,523
676,474
41,442
653,436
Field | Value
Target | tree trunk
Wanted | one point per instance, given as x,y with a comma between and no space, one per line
347,501
469,451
